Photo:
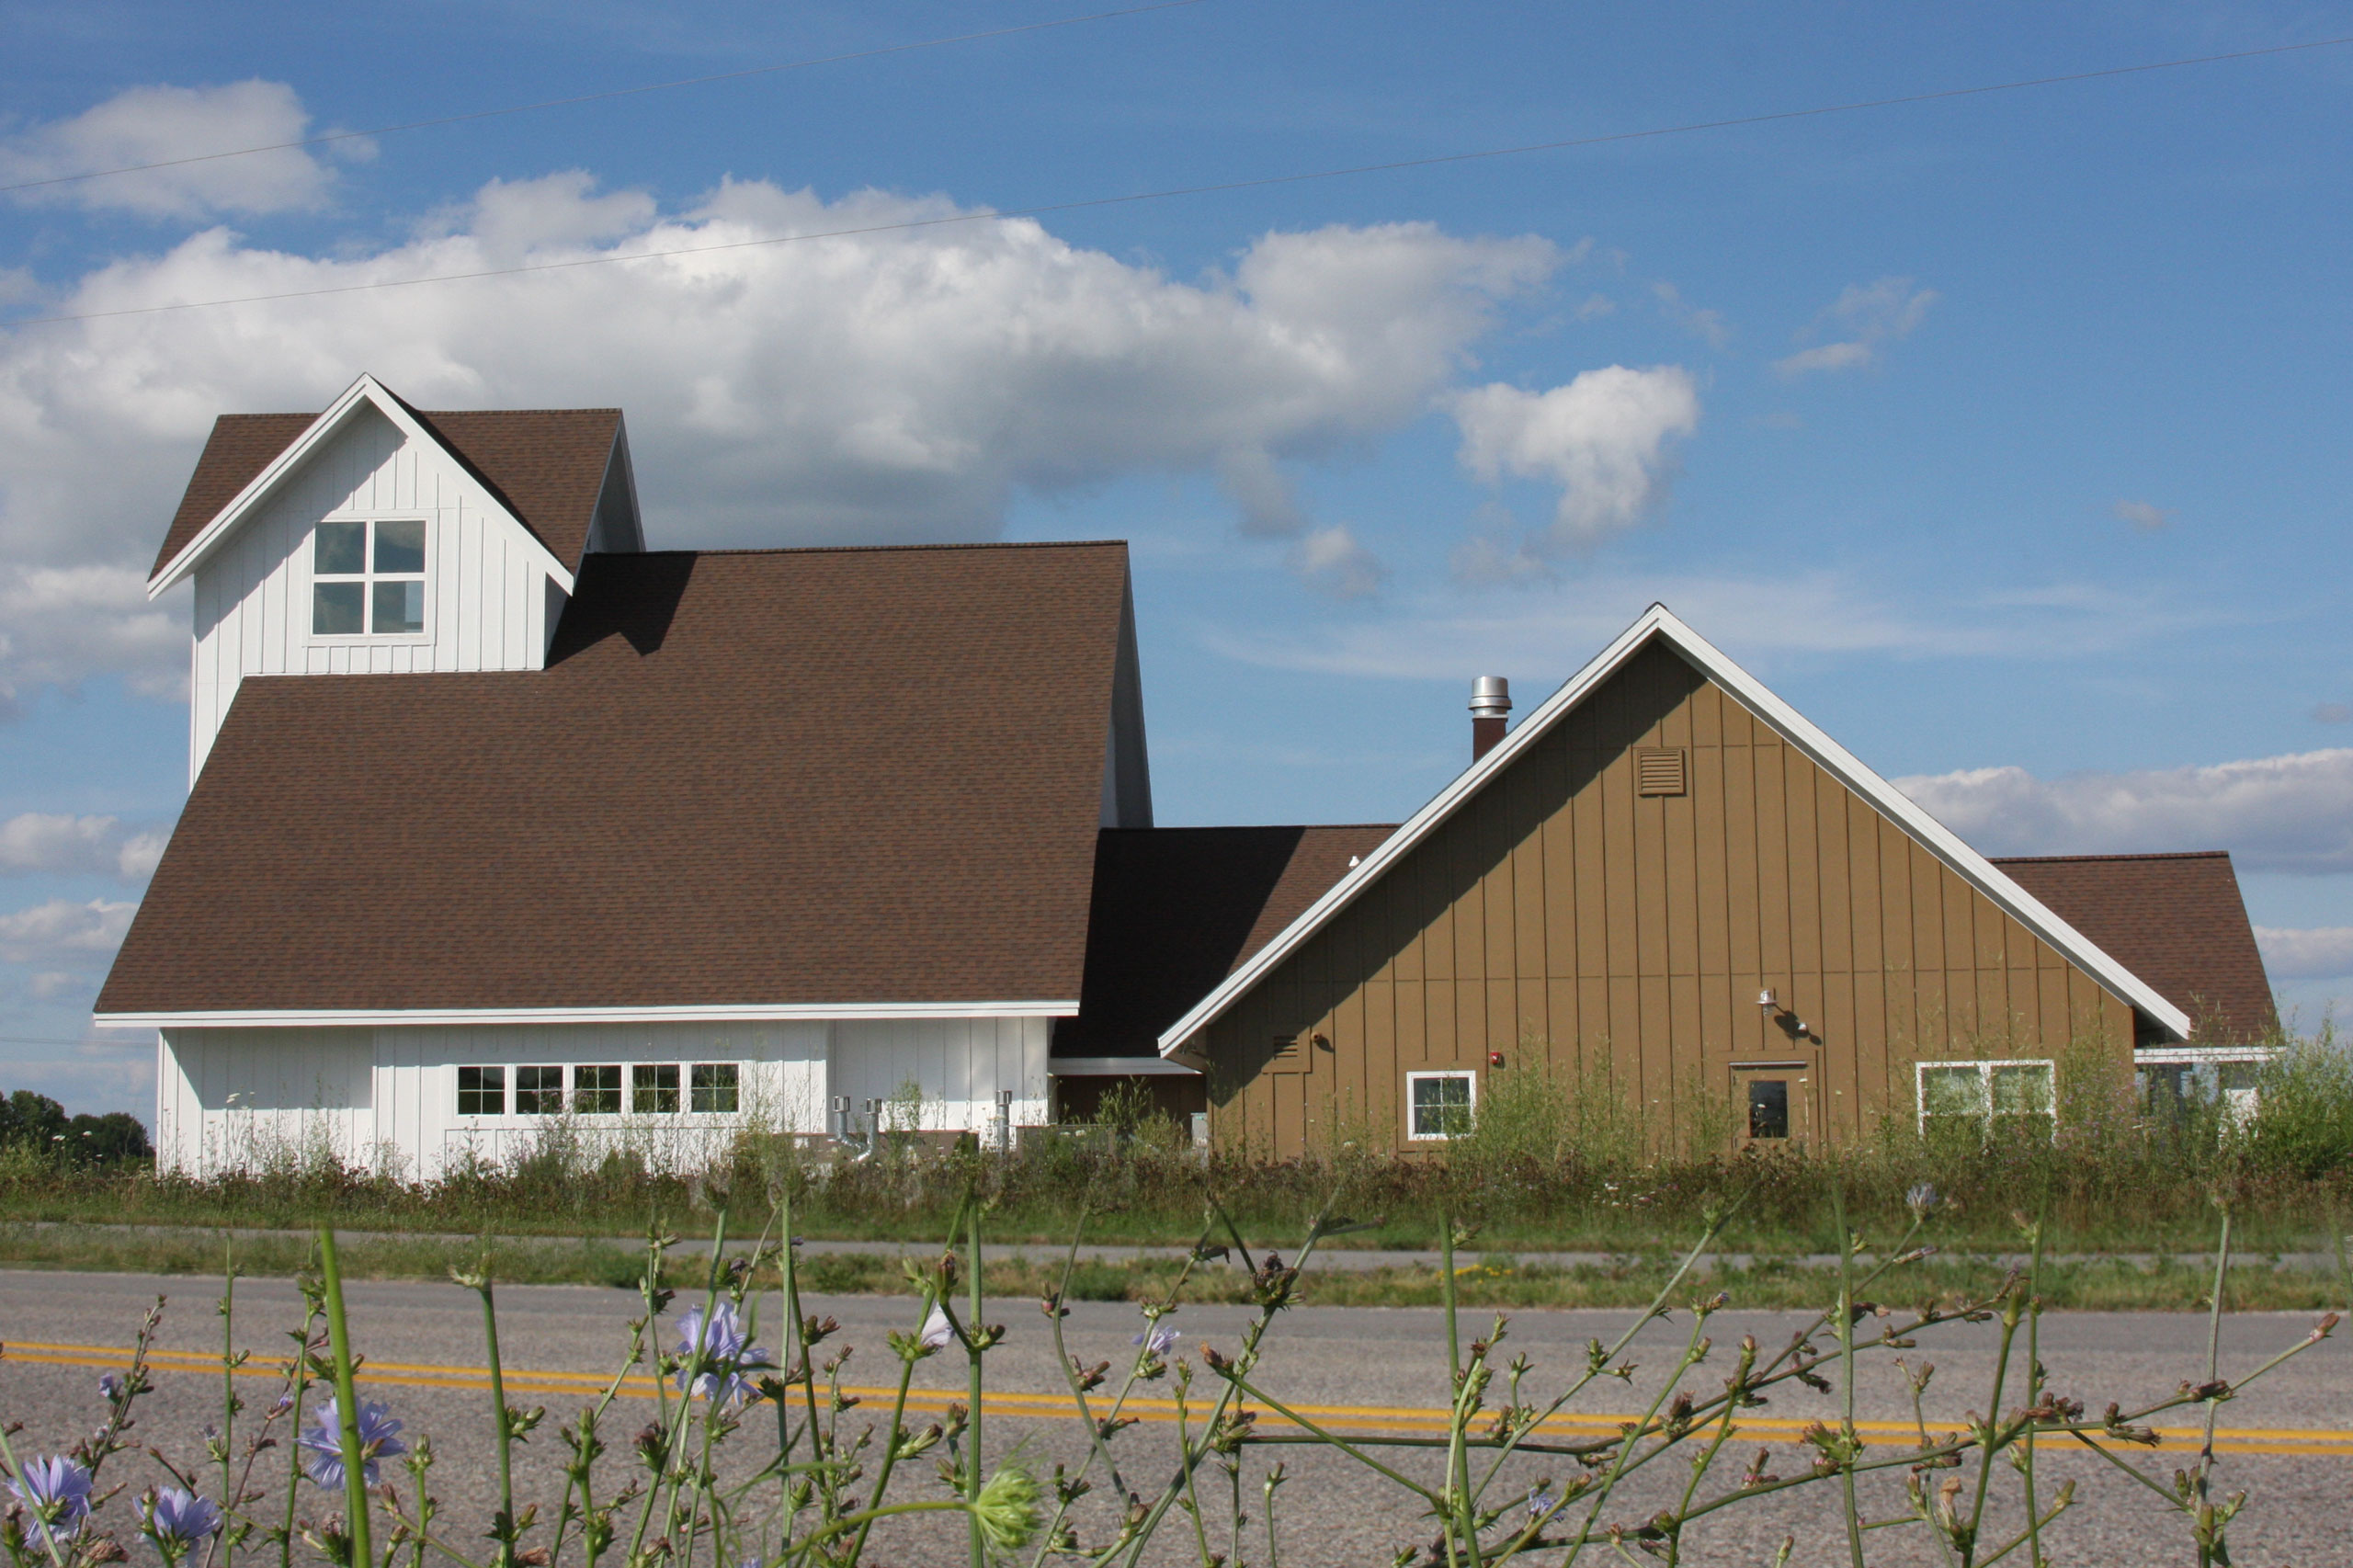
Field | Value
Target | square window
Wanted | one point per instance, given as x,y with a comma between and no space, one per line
400,607
710,1086
653,1087
400,548
1440,1103
340,549
2023,1089
539,1091
596,1091
1952,1091
1768,1107
334,609
481,1091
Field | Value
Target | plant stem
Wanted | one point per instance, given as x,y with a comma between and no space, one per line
1847,1368
347,1402
972,1362
501,1427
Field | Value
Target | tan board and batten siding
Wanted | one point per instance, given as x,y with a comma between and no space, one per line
489,605
1570,921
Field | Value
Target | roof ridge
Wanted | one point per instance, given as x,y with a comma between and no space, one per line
2147,855
1248,826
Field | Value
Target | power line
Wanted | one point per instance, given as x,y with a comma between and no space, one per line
996,214
334,136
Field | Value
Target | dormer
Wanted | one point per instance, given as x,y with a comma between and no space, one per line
378,537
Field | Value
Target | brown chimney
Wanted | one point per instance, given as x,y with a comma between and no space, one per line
1489,702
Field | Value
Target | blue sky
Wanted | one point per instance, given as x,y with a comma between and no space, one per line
2003,434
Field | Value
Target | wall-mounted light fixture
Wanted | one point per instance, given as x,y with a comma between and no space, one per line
1768,1002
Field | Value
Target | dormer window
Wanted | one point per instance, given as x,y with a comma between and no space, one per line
368,579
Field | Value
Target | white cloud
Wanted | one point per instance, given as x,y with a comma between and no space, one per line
2334,713
2273,814
1331,560
62,934
2143,515
1262,492
1703,324
1603,439
1869,316
148,125
2316,953
62,845
1547,633
884,386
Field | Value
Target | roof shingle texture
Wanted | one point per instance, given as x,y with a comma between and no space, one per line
2176,921
762,777
547,465
1178,909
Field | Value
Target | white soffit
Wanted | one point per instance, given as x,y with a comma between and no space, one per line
1793,727
1118,1067
750,1013
366,390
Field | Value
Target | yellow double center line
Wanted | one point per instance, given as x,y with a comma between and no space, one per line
1352,1419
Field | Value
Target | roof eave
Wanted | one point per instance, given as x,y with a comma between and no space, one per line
1793,727
367,389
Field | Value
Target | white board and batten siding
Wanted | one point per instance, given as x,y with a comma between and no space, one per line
379,1095
490,601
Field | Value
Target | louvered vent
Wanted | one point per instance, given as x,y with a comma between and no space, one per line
1658,771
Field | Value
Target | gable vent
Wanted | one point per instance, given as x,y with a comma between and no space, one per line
1658,771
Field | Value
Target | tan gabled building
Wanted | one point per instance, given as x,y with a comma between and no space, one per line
1667,873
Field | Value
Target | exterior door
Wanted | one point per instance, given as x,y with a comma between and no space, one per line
1773,1102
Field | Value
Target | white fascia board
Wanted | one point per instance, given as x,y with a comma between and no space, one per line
747,1012
1118,1067
1792,726
367,389
2200,1055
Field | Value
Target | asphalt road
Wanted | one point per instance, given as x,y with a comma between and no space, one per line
2288,1440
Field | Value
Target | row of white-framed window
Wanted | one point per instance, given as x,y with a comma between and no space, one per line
1441,1105
642,1089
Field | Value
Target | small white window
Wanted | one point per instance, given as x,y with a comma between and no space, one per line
1439,1104
368,578
1986,1092
710,1087
653,1088
481,1091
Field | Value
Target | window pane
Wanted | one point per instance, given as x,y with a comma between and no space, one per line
1952,1091
1442,1106
2022,1089
1768,1107
400,546
400,607
711,1087
654,1086
596,1091
334,609
340,549
481,1091
539,1091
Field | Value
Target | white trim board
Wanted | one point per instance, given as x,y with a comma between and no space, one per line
745,1012
366,390
1660,624
1118,1067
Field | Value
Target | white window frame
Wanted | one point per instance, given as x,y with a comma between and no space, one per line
1467,1073
1984,1113
367,577
510,1073
458,1090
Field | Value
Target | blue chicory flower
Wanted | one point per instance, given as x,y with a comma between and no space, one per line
110,1385
937,1330
1157,1338
182,1517
725,1355
322,1442
1539,1503
56,1492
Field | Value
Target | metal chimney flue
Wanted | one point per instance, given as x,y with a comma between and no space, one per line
1489,707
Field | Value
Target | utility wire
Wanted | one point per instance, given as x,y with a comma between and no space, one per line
335,136
997,214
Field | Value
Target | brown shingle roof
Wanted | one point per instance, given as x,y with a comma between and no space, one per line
2176,921
1178,909
545,464
746,777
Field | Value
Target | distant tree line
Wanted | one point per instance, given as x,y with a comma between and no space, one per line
37,1123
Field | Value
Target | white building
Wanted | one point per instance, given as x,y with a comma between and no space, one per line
495,813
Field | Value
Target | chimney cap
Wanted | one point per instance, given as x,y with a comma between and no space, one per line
1490,697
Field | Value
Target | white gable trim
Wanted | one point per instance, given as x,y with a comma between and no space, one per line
366,390
747,1012
1793,727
